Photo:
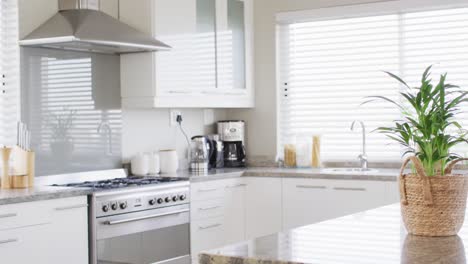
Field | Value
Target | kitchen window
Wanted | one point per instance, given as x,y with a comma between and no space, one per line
330,59
9,71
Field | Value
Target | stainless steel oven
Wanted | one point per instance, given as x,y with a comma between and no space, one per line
141,226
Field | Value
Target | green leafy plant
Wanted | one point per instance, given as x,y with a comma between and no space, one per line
429,121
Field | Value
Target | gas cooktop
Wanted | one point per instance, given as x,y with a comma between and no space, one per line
118,183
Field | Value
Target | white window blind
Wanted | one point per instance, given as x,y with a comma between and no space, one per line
327,68
9,71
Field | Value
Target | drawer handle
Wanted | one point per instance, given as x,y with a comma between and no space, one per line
208,208
207,190
8,215
349,189
209,226
237,186
311,186
9,241
71,207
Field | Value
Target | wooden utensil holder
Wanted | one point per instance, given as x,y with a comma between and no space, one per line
18,173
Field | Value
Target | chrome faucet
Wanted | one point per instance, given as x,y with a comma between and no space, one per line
363,156
106,125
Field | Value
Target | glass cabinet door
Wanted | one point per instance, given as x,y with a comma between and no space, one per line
189,28
230,49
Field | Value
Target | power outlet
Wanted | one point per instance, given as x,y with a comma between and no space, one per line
173,113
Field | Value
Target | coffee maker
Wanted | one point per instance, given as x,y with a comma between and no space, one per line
232,133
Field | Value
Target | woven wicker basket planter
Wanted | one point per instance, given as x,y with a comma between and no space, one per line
432,206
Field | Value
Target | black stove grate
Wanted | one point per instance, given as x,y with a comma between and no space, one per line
117,183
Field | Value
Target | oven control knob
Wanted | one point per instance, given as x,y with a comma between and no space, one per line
105,208
114,206
160,201
175,198
123,205
182,197
152,201
167,199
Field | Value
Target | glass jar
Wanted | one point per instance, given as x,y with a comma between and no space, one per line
303,151
316,142
290,153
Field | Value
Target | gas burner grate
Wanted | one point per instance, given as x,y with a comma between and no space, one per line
121,182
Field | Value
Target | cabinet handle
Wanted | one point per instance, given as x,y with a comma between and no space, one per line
180,92
208,226
8,215
311,186
8,241
71,207
207,190
237,185
208,208
349,189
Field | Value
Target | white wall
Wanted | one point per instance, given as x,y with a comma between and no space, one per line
148,130
261,121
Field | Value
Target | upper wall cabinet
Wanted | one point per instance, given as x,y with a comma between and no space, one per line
210,64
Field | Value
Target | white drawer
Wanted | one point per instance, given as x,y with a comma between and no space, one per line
206,209
25,245
212,189
206,190
206,234
35,213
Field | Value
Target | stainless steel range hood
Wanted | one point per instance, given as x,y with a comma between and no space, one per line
79,26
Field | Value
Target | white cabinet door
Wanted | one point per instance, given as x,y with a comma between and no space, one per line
210,63
234,212
68,237
353,196
263,206
306,201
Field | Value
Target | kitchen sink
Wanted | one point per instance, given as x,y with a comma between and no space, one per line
348,170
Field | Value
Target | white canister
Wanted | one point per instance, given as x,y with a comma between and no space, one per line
140,164
154,167
169,161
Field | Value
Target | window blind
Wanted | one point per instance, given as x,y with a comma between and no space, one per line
9,71
328,67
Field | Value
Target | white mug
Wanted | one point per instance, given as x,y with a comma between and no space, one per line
154,166
140,164
169,161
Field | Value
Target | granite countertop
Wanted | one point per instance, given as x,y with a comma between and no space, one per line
43,190
379,175
38,193
375,236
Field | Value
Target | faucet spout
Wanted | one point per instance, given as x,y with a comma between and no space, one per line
363,156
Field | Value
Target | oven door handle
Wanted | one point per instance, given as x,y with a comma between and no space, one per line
123,221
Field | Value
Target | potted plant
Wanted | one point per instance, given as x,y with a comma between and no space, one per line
433,200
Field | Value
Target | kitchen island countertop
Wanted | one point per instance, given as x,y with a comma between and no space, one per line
375,236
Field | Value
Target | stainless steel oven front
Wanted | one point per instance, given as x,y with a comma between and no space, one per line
150,236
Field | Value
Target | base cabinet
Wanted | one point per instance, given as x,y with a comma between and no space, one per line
308,201
217,214
263,206
234,210
59,233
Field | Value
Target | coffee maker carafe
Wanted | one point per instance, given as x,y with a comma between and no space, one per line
232,134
